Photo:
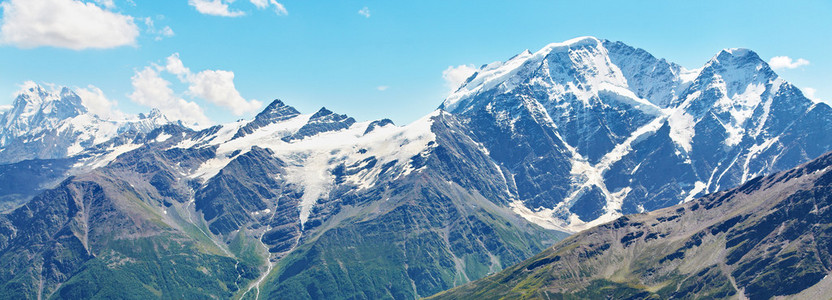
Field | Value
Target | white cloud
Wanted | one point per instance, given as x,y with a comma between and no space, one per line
109,4
175,66
216,86
261,4
811,93
382,88
785,62
5,108
165,32
150,89
364,12
95,102
455,76
279,9
65,24
215,8
160,34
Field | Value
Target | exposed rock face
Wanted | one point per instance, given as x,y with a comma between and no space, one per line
277,111
322,121
769,237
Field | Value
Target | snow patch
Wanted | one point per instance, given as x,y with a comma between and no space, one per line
698,188
105,159
163,137
682,129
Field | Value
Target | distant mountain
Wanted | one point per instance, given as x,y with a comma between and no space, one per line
292,205
49,135
47,125
769,237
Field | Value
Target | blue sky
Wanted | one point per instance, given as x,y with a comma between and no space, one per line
368,59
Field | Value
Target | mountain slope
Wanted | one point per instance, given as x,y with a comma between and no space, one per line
117,232
422,233
617,131
769,237
408,216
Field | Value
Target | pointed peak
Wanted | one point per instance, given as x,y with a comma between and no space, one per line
327,116
30,92
735,56
154,113
322,121
378,123
29,87
277,110
275,104
321,113
66,92
61,102
737,65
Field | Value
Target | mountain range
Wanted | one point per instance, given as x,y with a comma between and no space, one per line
298,206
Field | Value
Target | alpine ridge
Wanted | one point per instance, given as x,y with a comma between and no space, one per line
294,205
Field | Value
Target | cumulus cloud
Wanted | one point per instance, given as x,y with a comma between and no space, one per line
97,103
150,89
216,86
5,108
364,12
785,62
159,34
456,75
65,24
279,9
175,66
382,88
215,8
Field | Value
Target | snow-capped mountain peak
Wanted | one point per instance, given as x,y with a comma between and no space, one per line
35,107
580,69
54,123
614,112
736,67
153,114
277,111
575,66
